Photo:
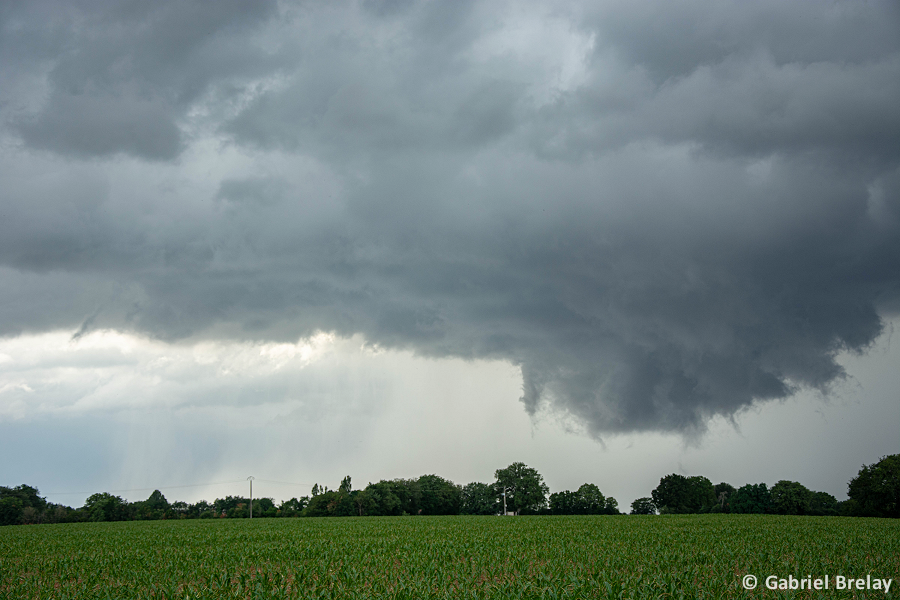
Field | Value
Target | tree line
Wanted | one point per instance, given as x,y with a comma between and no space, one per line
874,492
517,489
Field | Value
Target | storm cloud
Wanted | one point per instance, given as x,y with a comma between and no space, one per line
662,213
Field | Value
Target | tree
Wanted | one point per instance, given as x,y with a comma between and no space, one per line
384,501
394,497
478,499
105,507
848,508
875,491
264,507
57,513
21,504
439,496
679,494
751,499
11,510
154,507
671,495
325,502
292,508
409,492
724,491
589,500
823,504
180,509
524,488
611,507
362,501
563,503
344,505
643,506
200,510
30,496
234,507
157,501
322,504
790,498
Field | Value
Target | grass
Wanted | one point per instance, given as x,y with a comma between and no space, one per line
445,557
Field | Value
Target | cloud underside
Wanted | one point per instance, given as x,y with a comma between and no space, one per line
662,217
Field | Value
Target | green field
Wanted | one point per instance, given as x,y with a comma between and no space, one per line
696,556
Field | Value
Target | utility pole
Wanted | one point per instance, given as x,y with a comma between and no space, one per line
250,479
504,501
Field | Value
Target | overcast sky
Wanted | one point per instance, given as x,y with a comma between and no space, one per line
385,238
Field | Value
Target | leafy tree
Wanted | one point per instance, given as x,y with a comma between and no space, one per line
106,507
293,507
157,501
524,488
31,516
383,500
823,504
875,491
154,507
790,498
478,499
232,506
57,513
345,506
30,496
643,506
180,509
200,510
751,499
264,507
848,508
589,500
21,504
680,495
345,485
406,497
410,494
724,492
563,503
703,493
318,504
11,509
362,501
438,496
330,504
611,506
672,494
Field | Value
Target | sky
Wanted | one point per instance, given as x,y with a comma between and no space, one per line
387,238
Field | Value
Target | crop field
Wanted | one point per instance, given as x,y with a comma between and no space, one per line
448,557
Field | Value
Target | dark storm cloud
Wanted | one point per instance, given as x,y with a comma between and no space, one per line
661,215
119,78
